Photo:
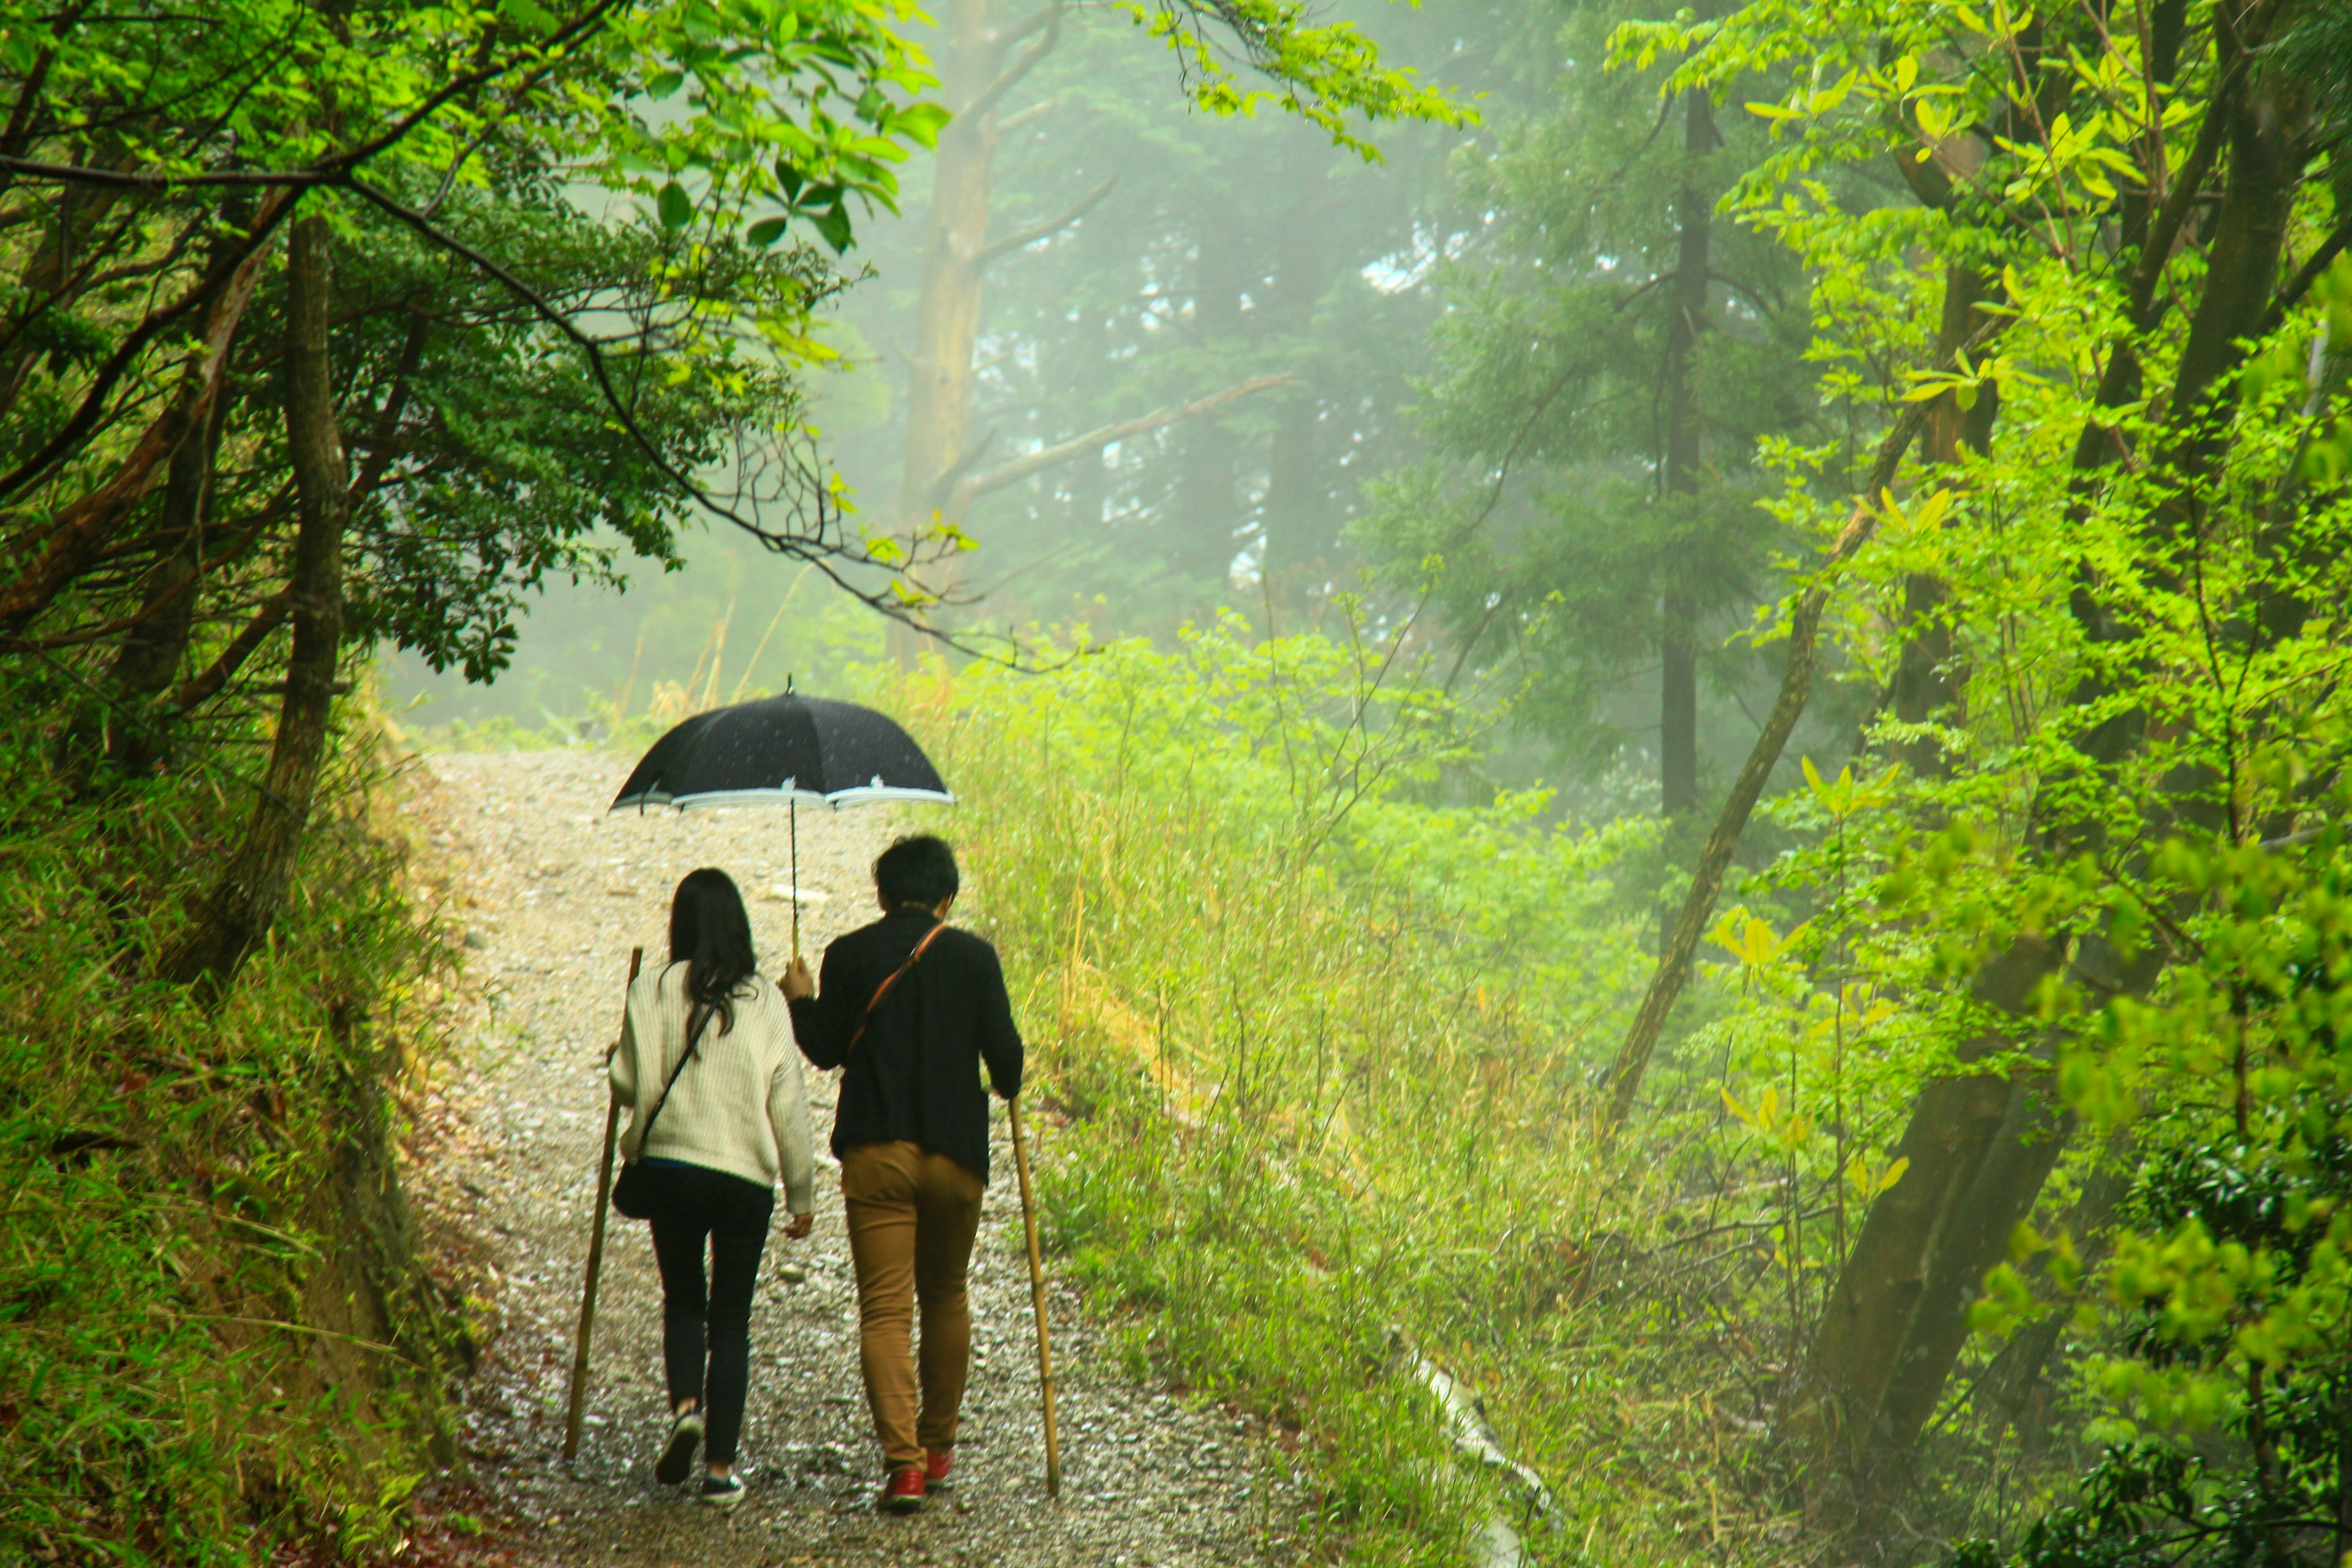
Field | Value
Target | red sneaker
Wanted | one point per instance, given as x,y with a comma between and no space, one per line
936,1464
904,1494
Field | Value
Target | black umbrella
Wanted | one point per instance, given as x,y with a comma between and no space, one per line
786,751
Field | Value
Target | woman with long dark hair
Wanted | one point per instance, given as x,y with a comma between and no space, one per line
718,1113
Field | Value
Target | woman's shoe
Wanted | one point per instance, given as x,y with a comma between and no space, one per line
904,1493
721,1491
684,1436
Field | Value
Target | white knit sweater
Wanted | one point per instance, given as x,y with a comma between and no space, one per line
739,1106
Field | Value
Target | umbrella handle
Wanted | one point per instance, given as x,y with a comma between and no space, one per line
796,879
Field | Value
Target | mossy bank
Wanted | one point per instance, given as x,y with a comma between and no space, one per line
219,1339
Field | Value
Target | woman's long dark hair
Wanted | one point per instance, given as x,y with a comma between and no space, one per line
711,935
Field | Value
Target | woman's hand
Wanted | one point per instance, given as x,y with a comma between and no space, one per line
797,986
797,1227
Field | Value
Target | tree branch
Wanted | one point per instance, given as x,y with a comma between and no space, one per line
1061,452
1022,238
1010,77
83,527
2306,276
809,546
1796,689
237,265
200,688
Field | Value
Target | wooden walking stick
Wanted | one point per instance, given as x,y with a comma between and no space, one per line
578,1407
1037,1297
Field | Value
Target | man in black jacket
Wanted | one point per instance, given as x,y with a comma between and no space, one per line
914,1007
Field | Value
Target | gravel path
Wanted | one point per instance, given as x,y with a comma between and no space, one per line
555,894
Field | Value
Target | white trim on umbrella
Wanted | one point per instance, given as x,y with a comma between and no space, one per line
783,794
867,795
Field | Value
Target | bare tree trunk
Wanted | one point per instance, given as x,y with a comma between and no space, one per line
1200,541
973,80
1974,1236
947,313
1297,502
152,651
252,887
1678,608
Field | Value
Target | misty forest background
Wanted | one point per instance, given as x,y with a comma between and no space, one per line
1347,320
1649,706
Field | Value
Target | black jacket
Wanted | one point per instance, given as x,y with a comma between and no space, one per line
915,1074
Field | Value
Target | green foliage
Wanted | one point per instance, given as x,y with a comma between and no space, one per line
1323,71
2219,1375
1320,1050
202,1208
2093,861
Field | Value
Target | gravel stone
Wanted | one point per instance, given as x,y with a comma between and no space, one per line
553,893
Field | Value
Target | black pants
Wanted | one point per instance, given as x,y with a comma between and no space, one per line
714,1321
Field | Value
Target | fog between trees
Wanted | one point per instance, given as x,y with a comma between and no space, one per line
1160,363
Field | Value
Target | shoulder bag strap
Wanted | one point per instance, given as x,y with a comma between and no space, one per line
695,1019
884,989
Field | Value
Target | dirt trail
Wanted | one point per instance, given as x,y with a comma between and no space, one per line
559,893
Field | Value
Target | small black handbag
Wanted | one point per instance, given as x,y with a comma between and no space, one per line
633,1194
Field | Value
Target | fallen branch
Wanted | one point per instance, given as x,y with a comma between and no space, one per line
1475,1438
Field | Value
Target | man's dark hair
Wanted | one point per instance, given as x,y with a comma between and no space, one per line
918,870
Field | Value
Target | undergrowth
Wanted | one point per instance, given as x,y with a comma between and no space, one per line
1322,1054
216,1343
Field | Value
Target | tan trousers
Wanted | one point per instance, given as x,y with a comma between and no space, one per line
912,1214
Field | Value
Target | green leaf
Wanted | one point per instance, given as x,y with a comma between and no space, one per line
921,122
676,206
833,223
667,84
767,231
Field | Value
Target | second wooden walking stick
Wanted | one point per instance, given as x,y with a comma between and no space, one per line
1037,1296
579,1405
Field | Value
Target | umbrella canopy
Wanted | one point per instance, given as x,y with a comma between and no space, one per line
784,751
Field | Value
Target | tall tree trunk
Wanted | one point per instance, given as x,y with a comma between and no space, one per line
1090,479
973,80
149,657
252,887
1678,608
1297,502
1202,542
1925,687
947,312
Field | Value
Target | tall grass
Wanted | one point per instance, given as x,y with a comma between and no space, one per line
1323,1052
217,1340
